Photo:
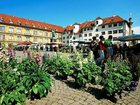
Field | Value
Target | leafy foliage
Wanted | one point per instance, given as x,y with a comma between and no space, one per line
117,77
86,71
61,65
26,79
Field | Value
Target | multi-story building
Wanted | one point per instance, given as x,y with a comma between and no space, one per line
115,26
15,30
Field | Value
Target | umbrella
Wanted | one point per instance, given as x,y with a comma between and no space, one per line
129,37
24,43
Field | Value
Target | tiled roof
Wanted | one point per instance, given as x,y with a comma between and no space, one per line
29,23
109,20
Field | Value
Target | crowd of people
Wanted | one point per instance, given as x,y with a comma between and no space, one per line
105,49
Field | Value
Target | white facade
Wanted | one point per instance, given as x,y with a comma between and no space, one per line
86,34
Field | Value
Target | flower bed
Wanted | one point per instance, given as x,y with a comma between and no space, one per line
19,81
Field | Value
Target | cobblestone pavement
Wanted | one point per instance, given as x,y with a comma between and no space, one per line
63,94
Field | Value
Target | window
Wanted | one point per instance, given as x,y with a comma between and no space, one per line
35,39
120,24
47,34
110,25
91,28
96,22
90,39
88,28
19,23
109,32
35,32
27,31
54,40
114,31
85,29
10,37
10,21
67,41
11,29
67,37
63,41
73,38
96,30
63,37
41,33
28,38
90,34
97,35
115,24
80,35
19,38
85,39
2,28
18,30
103,26
114,38
103,33
2,37
85,35
121,31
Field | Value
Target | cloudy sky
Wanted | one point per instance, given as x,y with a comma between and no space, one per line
136,30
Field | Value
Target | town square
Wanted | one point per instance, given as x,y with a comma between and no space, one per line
71,52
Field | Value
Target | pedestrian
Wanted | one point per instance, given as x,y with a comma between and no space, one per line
93,47
109,47
124,50
101,51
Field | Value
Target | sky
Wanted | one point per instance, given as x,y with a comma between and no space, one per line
67,12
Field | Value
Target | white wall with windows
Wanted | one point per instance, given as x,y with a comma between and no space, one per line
114,29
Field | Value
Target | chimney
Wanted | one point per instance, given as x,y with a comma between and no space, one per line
130,25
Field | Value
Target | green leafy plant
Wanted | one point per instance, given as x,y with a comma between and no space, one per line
13,98
26,79
86,71
60,65
117,76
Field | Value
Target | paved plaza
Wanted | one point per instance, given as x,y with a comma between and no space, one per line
62,93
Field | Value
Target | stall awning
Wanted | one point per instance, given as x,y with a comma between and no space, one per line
132,37
24,43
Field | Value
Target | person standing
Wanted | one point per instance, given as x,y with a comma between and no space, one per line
101,51
124,51
93,47
109,47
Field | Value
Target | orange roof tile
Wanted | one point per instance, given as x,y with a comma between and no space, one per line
30,23
109,20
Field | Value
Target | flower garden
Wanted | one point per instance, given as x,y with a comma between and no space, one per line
30,80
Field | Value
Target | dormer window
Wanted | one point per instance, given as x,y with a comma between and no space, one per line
112,20
33,25
10,21
19,23
1,19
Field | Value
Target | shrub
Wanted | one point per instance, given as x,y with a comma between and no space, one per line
117,76
86,71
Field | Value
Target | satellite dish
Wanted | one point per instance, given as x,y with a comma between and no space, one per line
99,22
76,28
